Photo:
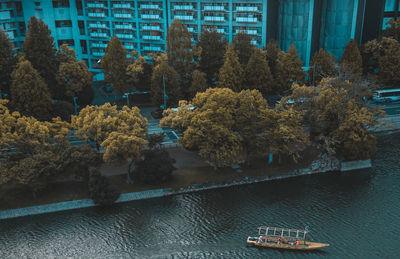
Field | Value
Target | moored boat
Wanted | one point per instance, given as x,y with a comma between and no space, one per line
283,238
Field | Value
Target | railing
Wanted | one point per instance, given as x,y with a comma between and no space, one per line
254,42
92,5
250,32
214,18
149,6
183,7
98,35
123,15
151,28
221,30
151,37
190,29
151,48
214,8
246,19
97,25
97,15
124,26
98,45
129,47
247,8
122,6
150,16
98,54
184,17
124,36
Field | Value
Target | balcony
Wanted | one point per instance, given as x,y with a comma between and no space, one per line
5,15
150,16
122,6
184,17
99,45
247,9
151,28
124,36
149,6
221,30
98,25
250,32
246,19
254,42
214,8
151,37
214,18
96,15
93,5
190,29
98,54
124,26
183,7
123,15
151,48
99,35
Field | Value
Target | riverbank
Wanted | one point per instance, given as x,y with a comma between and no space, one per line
184,180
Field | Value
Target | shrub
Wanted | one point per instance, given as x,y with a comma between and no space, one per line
156,167
100,189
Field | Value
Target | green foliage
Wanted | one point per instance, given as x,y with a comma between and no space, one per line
62,109
322,65
257,74
172,84
100,189
156,167
40,50
135,69
243,46
73,75
199,83
29,94
231,73
213,47
114,65
155,140
290,70
351,59
85,97
8,62
272,55
179,50
392,31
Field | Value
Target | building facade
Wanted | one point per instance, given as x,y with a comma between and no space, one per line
87,25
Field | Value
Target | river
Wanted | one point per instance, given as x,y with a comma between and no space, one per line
357,212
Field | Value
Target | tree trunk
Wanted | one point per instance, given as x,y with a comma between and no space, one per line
128,175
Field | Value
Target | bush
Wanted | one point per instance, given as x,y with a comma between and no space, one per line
100,189
156,167
63,109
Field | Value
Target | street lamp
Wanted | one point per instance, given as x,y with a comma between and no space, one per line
165,94
126,95
76,106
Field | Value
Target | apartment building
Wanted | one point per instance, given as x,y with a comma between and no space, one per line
87,25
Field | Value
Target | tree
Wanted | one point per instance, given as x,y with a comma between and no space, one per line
73,76
100,189
392,31
322,65
257,74
351,59
156,167
114,65
290,70
121,133
243,46
213,47
165,75
29,94
199,83
136,67
8,62
62,109
40,50
179,50
231,73
272,55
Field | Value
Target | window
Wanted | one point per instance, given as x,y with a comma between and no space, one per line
83,46
81,25
60,3
70,42
63,23
37,3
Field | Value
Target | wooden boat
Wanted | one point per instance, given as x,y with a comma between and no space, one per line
283,238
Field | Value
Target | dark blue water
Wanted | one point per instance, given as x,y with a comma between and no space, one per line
358,213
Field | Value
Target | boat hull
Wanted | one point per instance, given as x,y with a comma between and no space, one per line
304,246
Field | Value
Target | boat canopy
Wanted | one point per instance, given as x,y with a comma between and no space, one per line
286,233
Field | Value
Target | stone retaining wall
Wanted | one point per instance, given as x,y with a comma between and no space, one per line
322,165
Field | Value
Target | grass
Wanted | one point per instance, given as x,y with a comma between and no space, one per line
19,197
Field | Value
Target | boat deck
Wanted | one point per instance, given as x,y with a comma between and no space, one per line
272,244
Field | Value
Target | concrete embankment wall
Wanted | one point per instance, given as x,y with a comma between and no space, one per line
323,165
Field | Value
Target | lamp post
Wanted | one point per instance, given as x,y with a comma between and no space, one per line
165,95
76,106
126,95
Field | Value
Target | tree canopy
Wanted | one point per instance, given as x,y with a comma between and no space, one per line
231,73
322,65
164,73
351,59
8,61
257,74
243,46
29,94
40,50
213,47
114,65
199,83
